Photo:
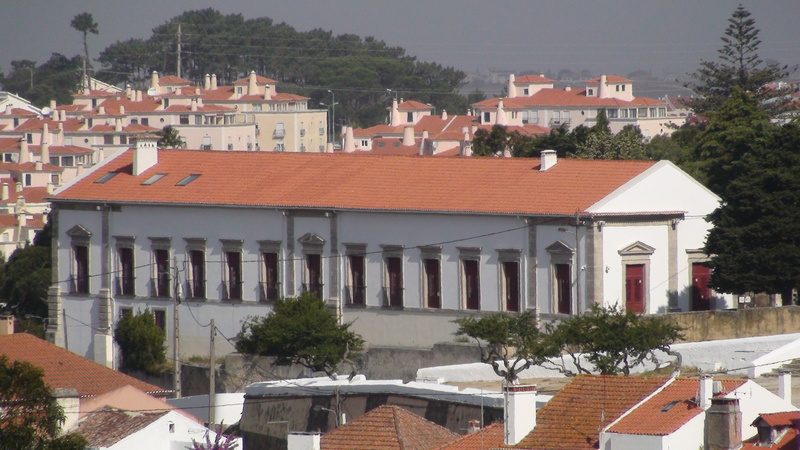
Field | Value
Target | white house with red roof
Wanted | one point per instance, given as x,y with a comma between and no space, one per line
413,130
399,245
533,99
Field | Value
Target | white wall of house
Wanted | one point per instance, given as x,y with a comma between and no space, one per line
169,432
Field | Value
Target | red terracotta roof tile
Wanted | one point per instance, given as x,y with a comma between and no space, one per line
107,426
533,79
669,409
60,150
259,80
387,427
490,436
573,418
64,369
560,97
353,181
413,105
611,79
171,80
10,220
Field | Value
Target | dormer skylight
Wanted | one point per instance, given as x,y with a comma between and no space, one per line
153,179
106,177
188,179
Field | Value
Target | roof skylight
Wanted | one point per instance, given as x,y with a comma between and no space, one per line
106,177
153,179
188,179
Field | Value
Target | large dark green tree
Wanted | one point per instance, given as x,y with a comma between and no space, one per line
30,418
56,79
84,22
301,331
25,277
755,243
738,65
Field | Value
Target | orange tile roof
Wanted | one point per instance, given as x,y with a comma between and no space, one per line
788,438
610,79
64,369
490,436
573,418
413,105
777,419
61,150
10,220
387,427
171,80
533,79
9,144
28,167
561,97
669,409
21,112
362,182
259,80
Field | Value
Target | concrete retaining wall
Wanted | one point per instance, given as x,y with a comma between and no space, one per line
731,324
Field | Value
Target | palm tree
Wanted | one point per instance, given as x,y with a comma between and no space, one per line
84,22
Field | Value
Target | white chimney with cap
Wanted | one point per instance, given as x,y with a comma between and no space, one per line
145,153
519,412
408,135
548,159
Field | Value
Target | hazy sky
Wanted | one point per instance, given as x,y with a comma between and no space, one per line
603,36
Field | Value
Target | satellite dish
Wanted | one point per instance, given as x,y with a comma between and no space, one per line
152,92
46,111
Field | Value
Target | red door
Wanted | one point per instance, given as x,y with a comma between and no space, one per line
563,289
701,293
634,288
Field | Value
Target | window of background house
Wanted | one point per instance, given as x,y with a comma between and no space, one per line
470,277
393,275
162,275
270,270
198,273
431,276
81,268
126,281
233,262
510,288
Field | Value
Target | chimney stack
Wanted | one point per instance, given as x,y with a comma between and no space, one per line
24,153
444,114
548,159
4,192
154,82
145,153
785,386
723,425
706,391
121,110
408,135
602,91
213,81
53,105
303,441
17,187
519,412
395,116
500,117
474,425
349,140
207,82
267,92
46,150
252,86
6,323
512,88
128,91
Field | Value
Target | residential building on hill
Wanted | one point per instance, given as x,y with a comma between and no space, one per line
400,246
533,99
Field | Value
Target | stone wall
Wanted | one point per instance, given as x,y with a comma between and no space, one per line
741,323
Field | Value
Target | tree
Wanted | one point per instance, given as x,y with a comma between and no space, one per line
510,343
301,331
169,138
755,243
739,66
30,418
141,342
600,143
611,340
84,22
25,277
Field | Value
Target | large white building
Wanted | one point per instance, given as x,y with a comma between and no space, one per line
398,245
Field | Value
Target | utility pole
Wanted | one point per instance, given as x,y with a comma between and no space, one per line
212,378
179,51
176,329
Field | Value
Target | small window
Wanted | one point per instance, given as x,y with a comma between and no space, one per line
106,177
29,138
28,179
153,179
239,90
108,139
67,161
53,160
623,88
188,179
123,140
233,260
197,274
81,269
145,121
134,121
184,119
486,117
590,92
526,91
410,117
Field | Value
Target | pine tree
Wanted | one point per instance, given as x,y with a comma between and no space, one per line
739,65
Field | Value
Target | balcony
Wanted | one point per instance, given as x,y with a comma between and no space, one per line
302,132
279,133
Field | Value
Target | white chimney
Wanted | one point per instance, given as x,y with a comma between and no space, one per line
520,412
548,159
267,92
154,82
128,91
101,111
118,124
349,140
63,115
408,135
785,386
706,391
52,105
194,105
304,441
602,91
252,86
6,324
213,81
207,82
474,425
5,194
444,114
122,110
18,187
395,119
38,166
24,153
145,153
500,117
46,151
512,88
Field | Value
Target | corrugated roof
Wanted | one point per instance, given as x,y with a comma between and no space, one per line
362,182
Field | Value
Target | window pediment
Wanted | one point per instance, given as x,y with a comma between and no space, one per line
637,248
79,232
311,239
560,248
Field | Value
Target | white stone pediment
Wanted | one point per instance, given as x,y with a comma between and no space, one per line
311,239
637,248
